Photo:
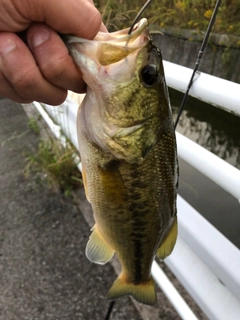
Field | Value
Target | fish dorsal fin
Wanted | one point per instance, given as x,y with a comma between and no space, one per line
168,243
143,292
97,249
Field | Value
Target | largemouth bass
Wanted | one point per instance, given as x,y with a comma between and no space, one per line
128,153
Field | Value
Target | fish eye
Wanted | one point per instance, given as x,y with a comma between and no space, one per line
149,74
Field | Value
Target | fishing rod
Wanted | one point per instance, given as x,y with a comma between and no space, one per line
110,307
199,57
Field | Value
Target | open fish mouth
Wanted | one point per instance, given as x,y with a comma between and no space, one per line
107,48
119,38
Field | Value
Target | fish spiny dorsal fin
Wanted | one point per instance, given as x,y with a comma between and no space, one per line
143,292
97,249
168,243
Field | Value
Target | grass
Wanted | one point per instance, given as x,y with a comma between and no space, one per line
186,14
33,125
55,162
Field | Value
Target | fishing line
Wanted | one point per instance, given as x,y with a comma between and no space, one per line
199,57
110,307
138,16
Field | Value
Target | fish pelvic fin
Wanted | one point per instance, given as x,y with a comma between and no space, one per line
168,243
85,183
97,249
143,292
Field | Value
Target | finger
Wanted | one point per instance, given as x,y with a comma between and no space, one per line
78,17
20,69
53,58
8,91
102,26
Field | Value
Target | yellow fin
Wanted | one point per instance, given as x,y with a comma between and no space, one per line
143,292
85,183
113,184
97,249
166,247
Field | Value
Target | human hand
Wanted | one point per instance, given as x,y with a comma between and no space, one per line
40,68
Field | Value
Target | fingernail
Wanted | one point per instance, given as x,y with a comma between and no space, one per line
7,46
39,37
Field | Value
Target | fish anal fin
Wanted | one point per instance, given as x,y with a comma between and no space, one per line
113,184
97,249
143,292
85,183
168,243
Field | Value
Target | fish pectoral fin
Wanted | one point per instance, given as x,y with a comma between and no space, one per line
85,183
97,249
113,185
168,243
143,292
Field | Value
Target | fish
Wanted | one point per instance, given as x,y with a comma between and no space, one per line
129,156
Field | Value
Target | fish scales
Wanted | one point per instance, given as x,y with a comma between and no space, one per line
148,193
128,151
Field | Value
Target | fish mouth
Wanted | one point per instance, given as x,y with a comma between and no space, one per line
109,48
116,37
123,35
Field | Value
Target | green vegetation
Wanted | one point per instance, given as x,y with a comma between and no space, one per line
118,14
33,125
54,162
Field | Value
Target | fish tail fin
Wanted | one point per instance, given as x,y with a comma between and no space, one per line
143,292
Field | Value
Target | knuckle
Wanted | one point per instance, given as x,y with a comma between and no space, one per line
54,72
2,77
58,99
25,80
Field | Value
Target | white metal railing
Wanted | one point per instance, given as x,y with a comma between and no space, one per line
216,169
207,264
216,91
204,261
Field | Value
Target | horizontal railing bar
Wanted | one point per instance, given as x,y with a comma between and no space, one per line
216,169
217,252
207,268
216,301
171,293
213,90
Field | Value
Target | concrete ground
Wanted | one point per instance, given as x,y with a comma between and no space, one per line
44,274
